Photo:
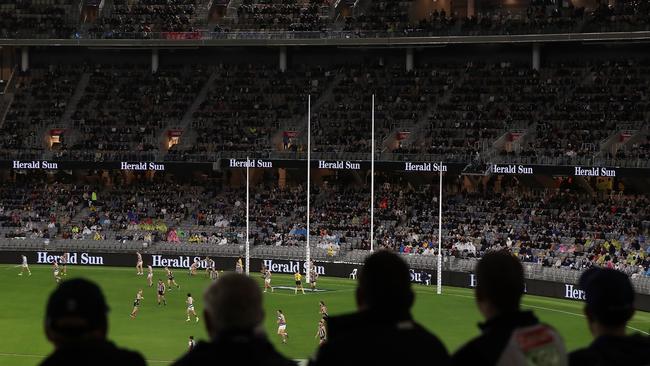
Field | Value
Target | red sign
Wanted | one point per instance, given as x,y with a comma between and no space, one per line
181,35
174,133
403,135
291,134
56,131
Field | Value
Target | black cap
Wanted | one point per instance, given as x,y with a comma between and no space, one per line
609,295
75,307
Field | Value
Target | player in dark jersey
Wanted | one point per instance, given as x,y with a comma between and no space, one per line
321,333
136,304
323,310
161,292
170,279
298,277
313,276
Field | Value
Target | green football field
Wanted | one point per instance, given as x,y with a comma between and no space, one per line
161,333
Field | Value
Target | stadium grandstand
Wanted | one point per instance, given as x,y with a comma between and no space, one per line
314,133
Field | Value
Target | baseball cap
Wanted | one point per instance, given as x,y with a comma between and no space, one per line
75,307
609,295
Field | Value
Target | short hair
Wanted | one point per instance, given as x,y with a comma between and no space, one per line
500,280
385,281
609,296
234,303
75,308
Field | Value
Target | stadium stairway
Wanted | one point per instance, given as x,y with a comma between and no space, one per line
299,124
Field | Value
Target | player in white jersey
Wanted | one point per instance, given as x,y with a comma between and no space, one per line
239,266
193,267
214,274
190,308
55,271
282,326
138,265
267,280
150,276
209,266
24,267
191,344
65,257
321,333
136,304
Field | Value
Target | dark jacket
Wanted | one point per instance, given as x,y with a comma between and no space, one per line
233,349
487,348
99,353
609,350
368,338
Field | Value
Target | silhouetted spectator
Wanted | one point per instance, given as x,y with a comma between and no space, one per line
233,316
372,335
609,306
509,336
76,323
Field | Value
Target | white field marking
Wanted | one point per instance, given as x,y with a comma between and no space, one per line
554,310
300,361
43,356
306,293
640,316
21,355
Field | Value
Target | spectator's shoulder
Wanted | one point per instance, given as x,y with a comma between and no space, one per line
131,358
469,354
582,357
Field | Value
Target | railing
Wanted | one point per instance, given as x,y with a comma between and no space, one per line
444,36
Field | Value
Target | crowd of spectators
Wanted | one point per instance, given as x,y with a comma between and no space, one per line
287,16
40,101
36,19
143,18
552,227
341,124
116,117
139,19
555,227
565,112
246,104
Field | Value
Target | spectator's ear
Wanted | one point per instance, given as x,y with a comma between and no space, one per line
208,324
361,299
410,298
51,335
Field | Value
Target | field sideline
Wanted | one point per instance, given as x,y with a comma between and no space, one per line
161,333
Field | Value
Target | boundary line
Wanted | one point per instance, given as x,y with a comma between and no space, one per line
555,310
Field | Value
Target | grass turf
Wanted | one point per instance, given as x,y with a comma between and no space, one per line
161,333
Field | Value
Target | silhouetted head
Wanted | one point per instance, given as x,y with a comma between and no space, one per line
233,304
384,283
76,310
609,297
500,283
